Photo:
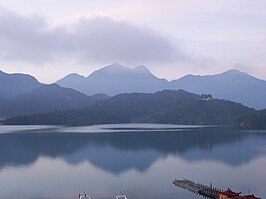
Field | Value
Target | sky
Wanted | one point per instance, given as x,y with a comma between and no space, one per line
50,39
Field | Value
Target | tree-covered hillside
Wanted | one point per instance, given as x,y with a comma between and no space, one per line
256,120
176,107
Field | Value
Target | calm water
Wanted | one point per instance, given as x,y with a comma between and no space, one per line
139,160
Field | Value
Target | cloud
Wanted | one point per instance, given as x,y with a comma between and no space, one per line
33,39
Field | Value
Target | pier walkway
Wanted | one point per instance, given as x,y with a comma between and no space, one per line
207,191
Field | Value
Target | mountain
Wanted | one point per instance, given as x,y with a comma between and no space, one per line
75,81
45,99
232,85
115,79
176,107
13,85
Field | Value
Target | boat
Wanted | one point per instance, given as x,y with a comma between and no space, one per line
121,196
85,195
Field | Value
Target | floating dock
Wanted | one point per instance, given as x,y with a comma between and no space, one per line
207,191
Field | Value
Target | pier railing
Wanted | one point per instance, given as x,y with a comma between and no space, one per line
207,191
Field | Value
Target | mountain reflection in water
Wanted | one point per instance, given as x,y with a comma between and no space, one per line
118,152
122,151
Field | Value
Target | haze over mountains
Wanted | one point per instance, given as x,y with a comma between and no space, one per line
143,103
115,79
45,99
22,94
232,85
13,85
168,106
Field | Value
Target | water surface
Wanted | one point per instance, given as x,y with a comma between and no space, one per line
139,160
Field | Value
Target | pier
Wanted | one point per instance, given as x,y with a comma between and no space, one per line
207,191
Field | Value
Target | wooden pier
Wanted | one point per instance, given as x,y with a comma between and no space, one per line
207,191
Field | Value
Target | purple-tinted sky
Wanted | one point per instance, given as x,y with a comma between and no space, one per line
50,39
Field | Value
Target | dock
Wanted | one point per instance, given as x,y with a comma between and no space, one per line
206,191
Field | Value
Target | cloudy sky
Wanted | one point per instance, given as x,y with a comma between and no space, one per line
51,38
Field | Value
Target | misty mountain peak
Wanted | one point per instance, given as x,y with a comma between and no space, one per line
74,76
142,69
234,72
115,68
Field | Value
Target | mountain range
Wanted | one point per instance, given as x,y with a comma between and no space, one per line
44,99
13,85
168,106
22,94
232,85
114,79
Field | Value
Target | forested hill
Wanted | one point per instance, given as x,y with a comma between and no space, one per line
168,106
256,120
45,99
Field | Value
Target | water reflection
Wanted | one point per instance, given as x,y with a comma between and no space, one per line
119,152
58,163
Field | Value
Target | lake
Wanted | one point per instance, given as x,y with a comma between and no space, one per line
140,160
